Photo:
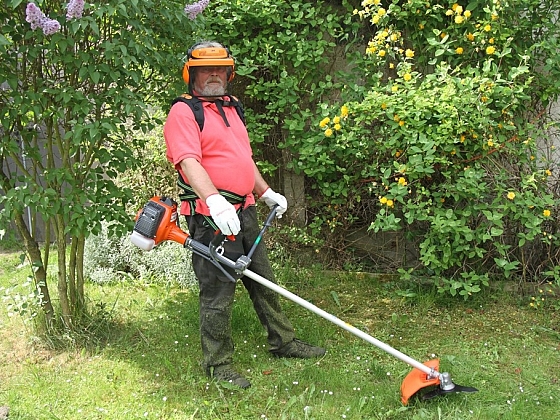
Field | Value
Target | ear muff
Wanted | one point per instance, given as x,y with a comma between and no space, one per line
208,57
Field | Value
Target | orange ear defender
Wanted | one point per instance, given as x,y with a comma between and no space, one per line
208,57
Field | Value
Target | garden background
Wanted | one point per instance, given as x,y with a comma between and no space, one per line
414,139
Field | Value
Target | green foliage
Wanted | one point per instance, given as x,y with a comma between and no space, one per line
154,175
70,102
283,63
439,139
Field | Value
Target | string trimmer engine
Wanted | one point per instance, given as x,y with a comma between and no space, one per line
157,222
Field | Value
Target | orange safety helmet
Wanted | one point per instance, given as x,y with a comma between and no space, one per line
209,56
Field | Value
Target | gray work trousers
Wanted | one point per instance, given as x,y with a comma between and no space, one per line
217,291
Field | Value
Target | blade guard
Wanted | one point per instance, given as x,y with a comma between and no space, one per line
157,222
416,380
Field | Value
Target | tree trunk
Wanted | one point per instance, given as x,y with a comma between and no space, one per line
295,193
39,273
76,275
80,294
65,306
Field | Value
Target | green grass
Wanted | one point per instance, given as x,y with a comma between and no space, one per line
144,361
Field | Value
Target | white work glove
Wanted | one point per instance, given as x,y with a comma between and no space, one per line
224,215
272,198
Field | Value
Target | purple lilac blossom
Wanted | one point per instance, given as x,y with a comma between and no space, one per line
34,16
50,26
75,9
37,19
193,10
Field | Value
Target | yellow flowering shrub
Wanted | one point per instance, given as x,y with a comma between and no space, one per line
437,140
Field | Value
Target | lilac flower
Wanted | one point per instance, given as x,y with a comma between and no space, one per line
34,16
50,26
193,10
37,19
75,9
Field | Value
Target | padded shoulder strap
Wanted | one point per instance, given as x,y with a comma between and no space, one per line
198,110
195,105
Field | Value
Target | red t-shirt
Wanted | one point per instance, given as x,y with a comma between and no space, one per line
224,152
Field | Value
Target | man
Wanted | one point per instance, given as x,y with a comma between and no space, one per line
216,169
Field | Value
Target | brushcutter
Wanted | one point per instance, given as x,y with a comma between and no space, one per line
158,222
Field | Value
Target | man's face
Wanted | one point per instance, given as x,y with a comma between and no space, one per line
211,81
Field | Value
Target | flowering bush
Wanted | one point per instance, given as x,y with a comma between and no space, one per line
109,258
438,137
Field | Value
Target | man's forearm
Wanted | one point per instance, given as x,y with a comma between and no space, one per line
198,178
260,184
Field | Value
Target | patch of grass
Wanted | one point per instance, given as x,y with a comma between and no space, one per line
145,360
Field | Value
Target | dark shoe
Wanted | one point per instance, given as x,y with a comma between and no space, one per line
299,349
226,373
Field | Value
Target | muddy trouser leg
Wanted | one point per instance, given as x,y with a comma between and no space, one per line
215,301
265,301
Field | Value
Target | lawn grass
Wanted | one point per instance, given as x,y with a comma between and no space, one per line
144,360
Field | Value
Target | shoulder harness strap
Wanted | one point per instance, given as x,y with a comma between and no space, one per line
198,110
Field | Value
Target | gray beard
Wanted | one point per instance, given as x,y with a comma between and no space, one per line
212,91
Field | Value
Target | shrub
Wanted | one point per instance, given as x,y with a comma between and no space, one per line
438,139
109,258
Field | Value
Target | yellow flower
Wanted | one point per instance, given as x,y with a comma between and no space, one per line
381,11
396,117
449,13
324,122
383,105
409,53
394,37
390,203
421,26
391,65
407,77
336,120
398,153
337,127
510,195
459,50
470,37
490,143
490,50
467,14
383,200
328,132
546,213
462,138
494,16
458,9
548,172
401,123
402,181
491,41
375,19
459,19
381,53
344,111
394,88
487,28
454,7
